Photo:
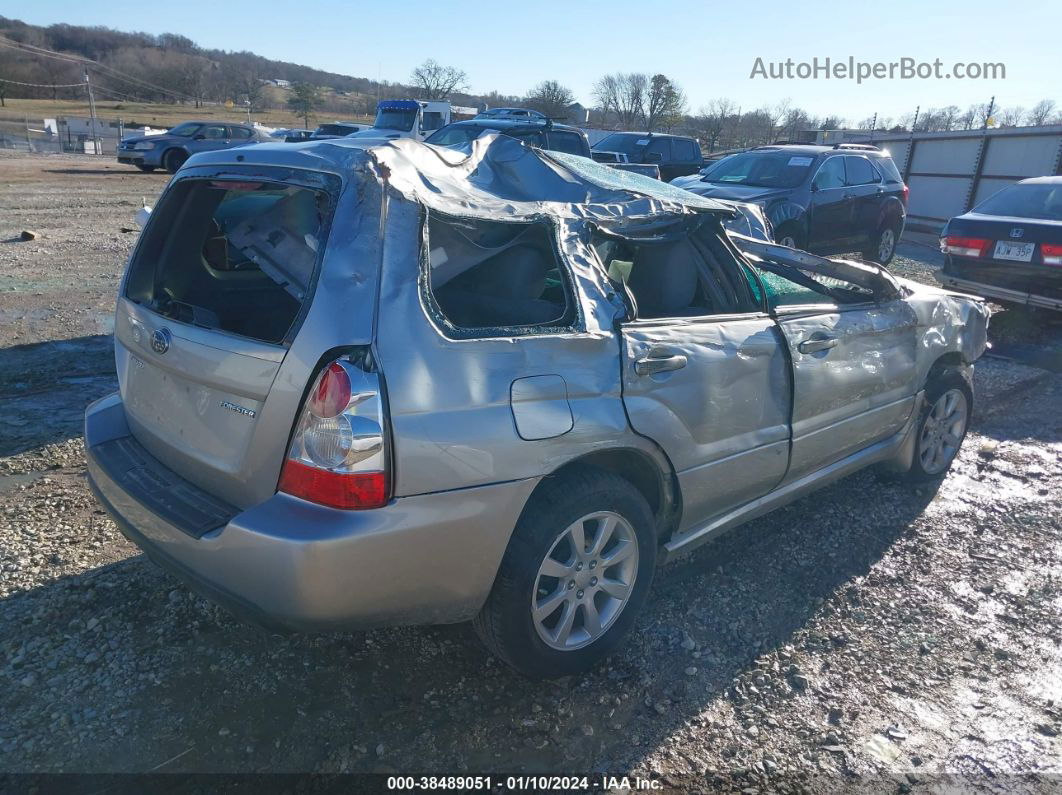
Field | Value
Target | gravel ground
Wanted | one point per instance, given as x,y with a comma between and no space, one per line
870,634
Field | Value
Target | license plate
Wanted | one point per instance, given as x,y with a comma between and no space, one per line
1018,252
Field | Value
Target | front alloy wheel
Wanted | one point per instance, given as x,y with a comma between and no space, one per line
943,431
585,581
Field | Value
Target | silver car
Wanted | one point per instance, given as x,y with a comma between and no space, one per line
413,385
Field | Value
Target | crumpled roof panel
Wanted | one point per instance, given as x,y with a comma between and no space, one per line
502,176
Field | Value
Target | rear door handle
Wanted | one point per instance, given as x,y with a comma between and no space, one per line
816,345
651,365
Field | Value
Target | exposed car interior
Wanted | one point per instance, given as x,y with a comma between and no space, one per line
699,273
234,256
487,274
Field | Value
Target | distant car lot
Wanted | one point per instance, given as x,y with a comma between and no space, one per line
170,149
825,199
534,132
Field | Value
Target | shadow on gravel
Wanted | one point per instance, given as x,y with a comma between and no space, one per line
119,171
145,671
45,386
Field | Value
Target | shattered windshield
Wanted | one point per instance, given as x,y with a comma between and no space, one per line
395,120
761,170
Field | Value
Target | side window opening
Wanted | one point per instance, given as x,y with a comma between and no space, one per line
859,171
691,273
489,277
830,174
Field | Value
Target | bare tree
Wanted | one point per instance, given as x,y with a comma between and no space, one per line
967,119
983,113
623,95
1041,112
435,81
797,119
551,98
665,103
1011,117
712,121
948,117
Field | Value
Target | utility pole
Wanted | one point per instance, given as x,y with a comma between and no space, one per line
97,147
988,113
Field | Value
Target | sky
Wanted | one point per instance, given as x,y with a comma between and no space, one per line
710,50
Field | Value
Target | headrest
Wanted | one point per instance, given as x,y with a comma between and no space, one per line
663,278
517,272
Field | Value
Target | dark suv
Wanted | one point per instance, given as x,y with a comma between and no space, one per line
675,155
541,133
848,197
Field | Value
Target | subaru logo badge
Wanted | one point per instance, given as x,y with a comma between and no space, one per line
160,340
1017,232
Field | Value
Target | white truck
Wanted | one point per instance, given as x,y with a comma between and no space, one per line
410,118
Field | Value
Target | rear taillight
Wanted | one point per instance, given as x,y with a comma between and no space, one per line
965,246
338,454
906,194
1052,253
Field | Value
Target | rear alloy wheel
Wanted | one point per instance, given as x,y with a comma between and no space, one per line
883,246
585,580
574,577
173,160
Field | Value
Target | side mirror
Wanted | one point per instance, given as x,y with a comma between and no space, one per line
199,137
814,187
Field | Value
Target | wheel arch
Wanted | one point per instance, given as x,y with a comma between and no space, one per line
892,213
787,212
169,150
650,472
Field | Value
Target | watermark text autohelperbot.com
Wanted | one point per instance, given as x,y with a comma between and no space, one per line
859,71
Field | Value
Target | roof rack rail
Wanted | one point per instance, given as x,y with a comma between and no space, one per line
863,147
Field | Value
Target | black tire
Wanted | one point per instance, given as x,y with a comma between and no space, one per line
174,159
939,385
505,623
873,251
146,169
791,230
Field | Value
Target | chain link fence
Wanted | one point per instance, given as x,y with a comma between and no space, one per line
61,134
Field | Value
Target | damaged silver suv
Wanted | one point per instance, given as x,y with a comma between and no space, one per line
410,385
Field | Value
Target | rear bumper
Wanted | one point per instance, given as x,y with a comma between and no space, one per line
289,564
1033,285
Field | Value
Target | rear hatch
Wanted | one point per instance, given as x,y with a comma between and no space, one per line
213,298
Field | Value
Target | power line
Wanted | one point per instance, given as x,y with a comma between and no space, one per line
41,85
80,60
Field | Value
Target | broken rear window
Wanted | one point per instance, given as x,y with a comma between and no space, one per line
236,256
491,278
